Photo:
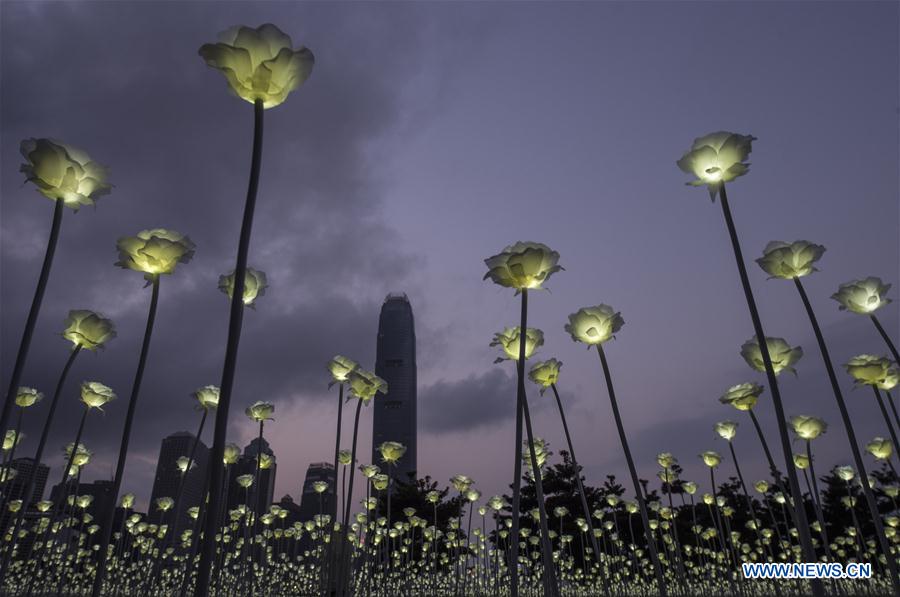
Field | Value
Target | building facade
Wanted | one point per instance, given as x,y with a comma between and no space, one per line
394,418
260,496
168,479
312,503
26,470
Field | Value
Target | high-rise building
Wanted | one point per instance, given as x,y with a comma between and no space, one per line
260,495
16,487
394,418
311,503
26,470
168,479
100,490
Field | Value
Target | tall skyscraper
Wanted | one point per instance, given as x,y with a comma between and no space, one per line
259,497
168,479
25,469
395,362
310,500
16,487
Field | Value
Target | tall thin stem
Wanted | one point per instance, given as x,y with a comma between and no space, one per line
814,489
517,466
330,550
584,504
214,480
31,321
342,582
45,433
887,339
642,505
797,504
851,438
887,421
549,572
108,516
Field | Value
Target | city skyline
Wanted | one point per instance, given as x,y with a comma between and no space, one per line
443,128
394,417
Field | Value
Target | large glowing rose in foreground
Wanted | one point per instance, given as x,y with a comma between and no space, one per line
259,64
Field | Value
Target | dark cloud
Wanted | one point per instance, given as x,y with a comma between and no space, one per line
473,403
129,88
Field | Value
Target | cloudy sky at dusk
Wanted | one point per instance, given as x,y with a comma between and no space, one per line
428,137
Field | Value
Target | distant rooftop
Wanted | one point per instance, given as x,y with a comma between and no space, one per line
322,465
396,296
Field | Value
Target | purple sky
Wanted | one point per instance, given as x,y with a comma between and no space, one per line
428,137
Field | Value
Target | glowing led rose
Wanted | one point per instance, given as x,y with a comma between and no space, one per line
689,486
717,158
95,394
345,457
710,458
790,260
432,497
255,284
496,503
391,452
182,464
369,470
266,461
726,429
380,482
62,172
666,459
244,481
154,252
742,396
545,373
259,64
782,355
44,506
871,370
523,266
260,411
761,486
127,501
508,341
862,296
11,438
26,397
207,397
87,329
320,486
891,378
667,476
801,461
880,448
365,384
340,368
808,428
541,453
462,483
231,453
82,455
594,325
164,503
473,495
